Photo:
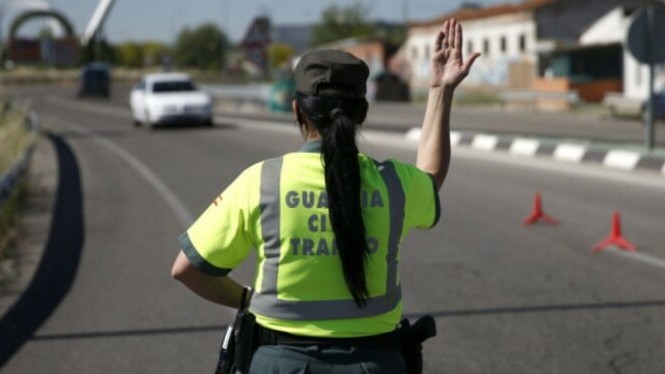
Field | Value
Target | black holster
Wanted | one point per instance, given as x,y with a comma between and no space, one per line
239,343
412,338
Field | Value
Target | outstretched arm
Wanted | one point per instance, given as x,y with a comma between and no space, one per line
447,70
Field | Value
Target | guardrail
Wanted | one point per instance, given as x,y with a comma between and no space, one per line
239,95
535,99
10,179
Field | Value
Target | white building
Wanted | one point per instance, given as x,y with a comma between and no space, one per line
506,36
526,43
613,29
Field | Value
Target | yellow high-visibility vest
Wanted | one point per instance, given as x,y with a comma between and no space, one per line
280,208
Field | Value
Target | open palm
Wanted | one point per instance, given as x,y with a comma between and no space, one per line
448,68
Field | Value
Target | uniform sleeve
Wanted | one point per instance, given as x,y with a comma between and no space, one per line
219,239
422,207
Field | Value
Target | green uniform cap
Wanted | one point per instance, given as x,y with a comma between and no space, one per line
330,72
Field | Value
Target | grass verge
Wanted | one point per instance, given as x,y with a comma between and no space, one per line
15,138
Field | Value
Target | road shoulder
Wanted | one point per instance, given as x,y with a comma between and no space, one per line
34,224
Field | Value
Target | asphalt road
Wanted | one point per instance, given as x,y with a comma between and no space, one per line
507,298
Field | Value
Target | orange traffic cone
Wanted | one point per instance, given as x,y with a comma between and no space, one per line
537,213
615,238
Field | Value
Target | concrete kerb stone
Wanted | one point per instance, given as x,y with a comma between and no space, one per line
618,157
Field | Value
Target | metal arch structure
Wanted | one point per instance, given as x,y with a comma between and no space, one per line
60,52
9,5
25,16
42,8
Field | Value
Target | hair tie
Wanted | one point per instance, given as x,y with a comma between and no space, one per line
336,112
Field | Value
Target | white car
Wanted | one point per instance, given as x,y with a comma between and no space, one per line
165,98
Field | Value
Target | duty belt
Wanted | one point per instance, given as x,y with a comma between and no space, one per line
389,340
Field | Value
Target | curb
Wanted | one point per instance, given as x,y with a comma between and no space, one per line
35,223
10,179
627,158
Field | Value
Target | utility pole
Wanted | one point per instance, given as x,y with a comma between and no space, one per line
649,131
224,32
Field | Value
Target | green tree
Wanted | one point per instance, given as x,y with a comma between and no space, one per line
130,54
202,48
137,55
393,34
153,53
340,23
98,50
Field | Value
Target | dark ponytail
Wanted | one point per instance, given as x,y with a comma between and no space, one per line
336,120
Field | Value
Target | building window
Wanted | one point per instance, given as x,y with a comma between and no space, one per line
469,47
486,47
427,53
503,44
414,53
522,43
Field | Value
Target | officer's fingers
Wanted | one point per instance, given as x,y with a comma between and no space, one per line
457,35
450,33
440,37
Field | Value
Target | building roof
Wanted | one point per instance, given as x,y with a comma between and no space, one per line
472,13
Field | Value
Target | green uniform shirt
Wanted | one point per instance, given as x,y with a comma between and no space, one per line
279,207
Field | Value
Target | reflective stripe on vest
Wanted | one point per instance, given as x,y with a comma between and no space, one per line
267,302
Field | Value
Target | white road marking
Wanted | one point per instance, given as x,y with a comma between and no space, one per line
178,208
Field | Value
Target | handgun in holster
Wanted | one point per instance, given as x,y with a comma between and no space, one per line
412,338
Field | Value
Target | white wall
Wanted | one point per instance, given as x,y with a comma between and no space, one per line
609,29
613,28
492,67
636,77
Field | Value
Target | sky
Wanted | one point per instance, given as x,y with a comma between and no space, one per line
161,20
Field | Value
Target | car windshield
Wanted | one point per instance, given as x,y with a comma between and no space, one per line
173,86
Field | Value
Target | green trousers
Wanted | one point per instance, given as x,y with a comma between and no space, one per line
290,359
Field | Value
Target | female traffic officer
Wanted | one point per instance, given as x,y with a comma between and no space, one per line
326,222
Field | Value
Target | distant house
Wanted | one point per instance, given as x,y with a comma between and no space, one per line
255,45
609,33
261,34
521,43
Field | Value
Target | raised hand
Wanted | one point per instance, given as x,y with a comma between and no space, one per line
448,68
